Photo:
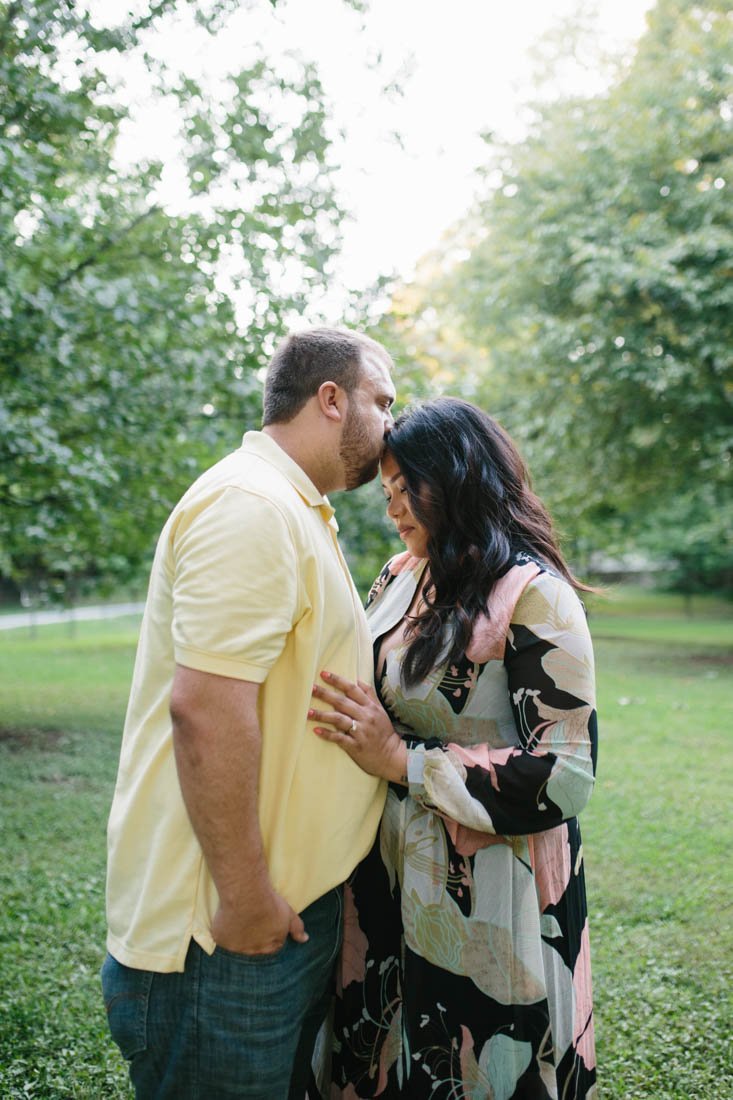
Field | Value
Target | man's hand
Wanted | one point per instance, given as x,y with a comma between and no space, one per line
257,928
216,737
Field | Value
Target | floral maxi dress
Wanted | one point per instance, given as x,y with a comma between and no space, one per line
465,971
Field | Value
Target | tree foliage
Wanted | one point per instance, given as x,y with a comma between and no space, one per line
601,290
122,362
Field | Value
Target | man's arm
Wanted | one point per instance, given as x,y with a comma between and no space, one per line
216,737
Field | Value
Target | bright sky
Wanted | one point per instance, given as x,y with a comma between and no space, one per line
465,67
470,68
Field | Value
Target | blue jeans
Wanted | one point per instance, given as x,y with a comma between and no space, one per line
229,1025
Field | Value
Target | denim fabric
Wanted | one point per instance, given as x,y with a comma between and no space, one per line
229,1025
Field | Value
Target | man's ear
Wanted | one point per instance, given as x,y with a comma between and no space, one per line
332,401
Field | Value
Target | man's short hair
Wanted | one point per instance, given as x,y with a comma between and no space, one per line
305,360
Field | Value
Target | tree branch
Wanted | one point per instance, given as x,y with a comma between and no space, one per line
105,246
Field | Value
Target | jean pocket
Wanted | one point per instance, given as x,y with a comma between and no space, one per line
268,956
126,997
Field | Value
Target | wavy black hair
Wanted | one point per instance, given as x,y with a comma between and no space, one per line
469,486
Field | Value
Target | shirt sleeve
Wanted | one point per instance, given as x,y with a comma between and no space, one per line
548,776
235,586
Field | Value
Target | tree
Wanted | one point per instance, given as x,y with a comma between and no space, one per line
122,364
601,289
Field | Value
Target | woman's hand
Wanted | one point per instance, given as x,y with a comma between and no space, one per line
360,726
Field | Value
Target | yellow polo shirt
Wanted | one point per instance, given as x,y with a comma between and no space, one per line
249,582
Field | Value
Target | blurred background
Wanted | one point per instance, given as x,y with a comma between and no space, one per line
530,206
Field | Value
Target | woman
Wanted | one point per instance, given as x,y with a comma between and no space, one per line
465,968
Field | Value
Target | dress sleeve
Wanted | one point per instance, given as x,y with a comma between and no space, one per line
547,776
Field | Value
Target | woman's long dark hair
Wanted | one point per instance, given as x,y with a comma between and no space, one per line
469,486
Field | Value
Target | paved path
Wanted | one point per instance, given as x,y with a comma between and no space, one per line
68,614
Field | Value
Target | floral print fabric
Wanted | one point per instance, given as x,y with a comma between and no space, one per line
465,970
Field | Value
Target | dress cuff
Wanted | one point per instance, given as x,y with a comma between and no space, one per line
415,768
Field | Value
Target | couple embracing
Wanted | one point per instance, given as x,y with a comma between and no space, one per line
344,857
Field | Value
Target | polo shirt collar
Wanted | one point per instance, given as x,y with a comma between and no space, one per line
265,447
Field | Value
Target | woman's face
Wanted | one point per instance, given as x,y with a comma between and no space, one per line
410,530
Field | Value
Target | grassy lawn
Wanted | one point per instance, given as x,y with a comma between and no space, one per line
657,840
61,705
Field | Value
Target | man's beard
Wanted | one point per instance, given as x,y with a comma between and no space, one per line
357,453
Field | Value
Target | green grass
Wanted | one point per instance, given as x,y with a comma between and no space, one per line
657,839
62,700
664,618
623,599
54,680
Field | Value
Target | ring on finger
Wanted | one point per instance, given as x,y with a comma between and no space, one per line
352,727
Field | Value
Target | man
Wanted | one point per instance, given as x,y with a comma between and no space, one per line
233,825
